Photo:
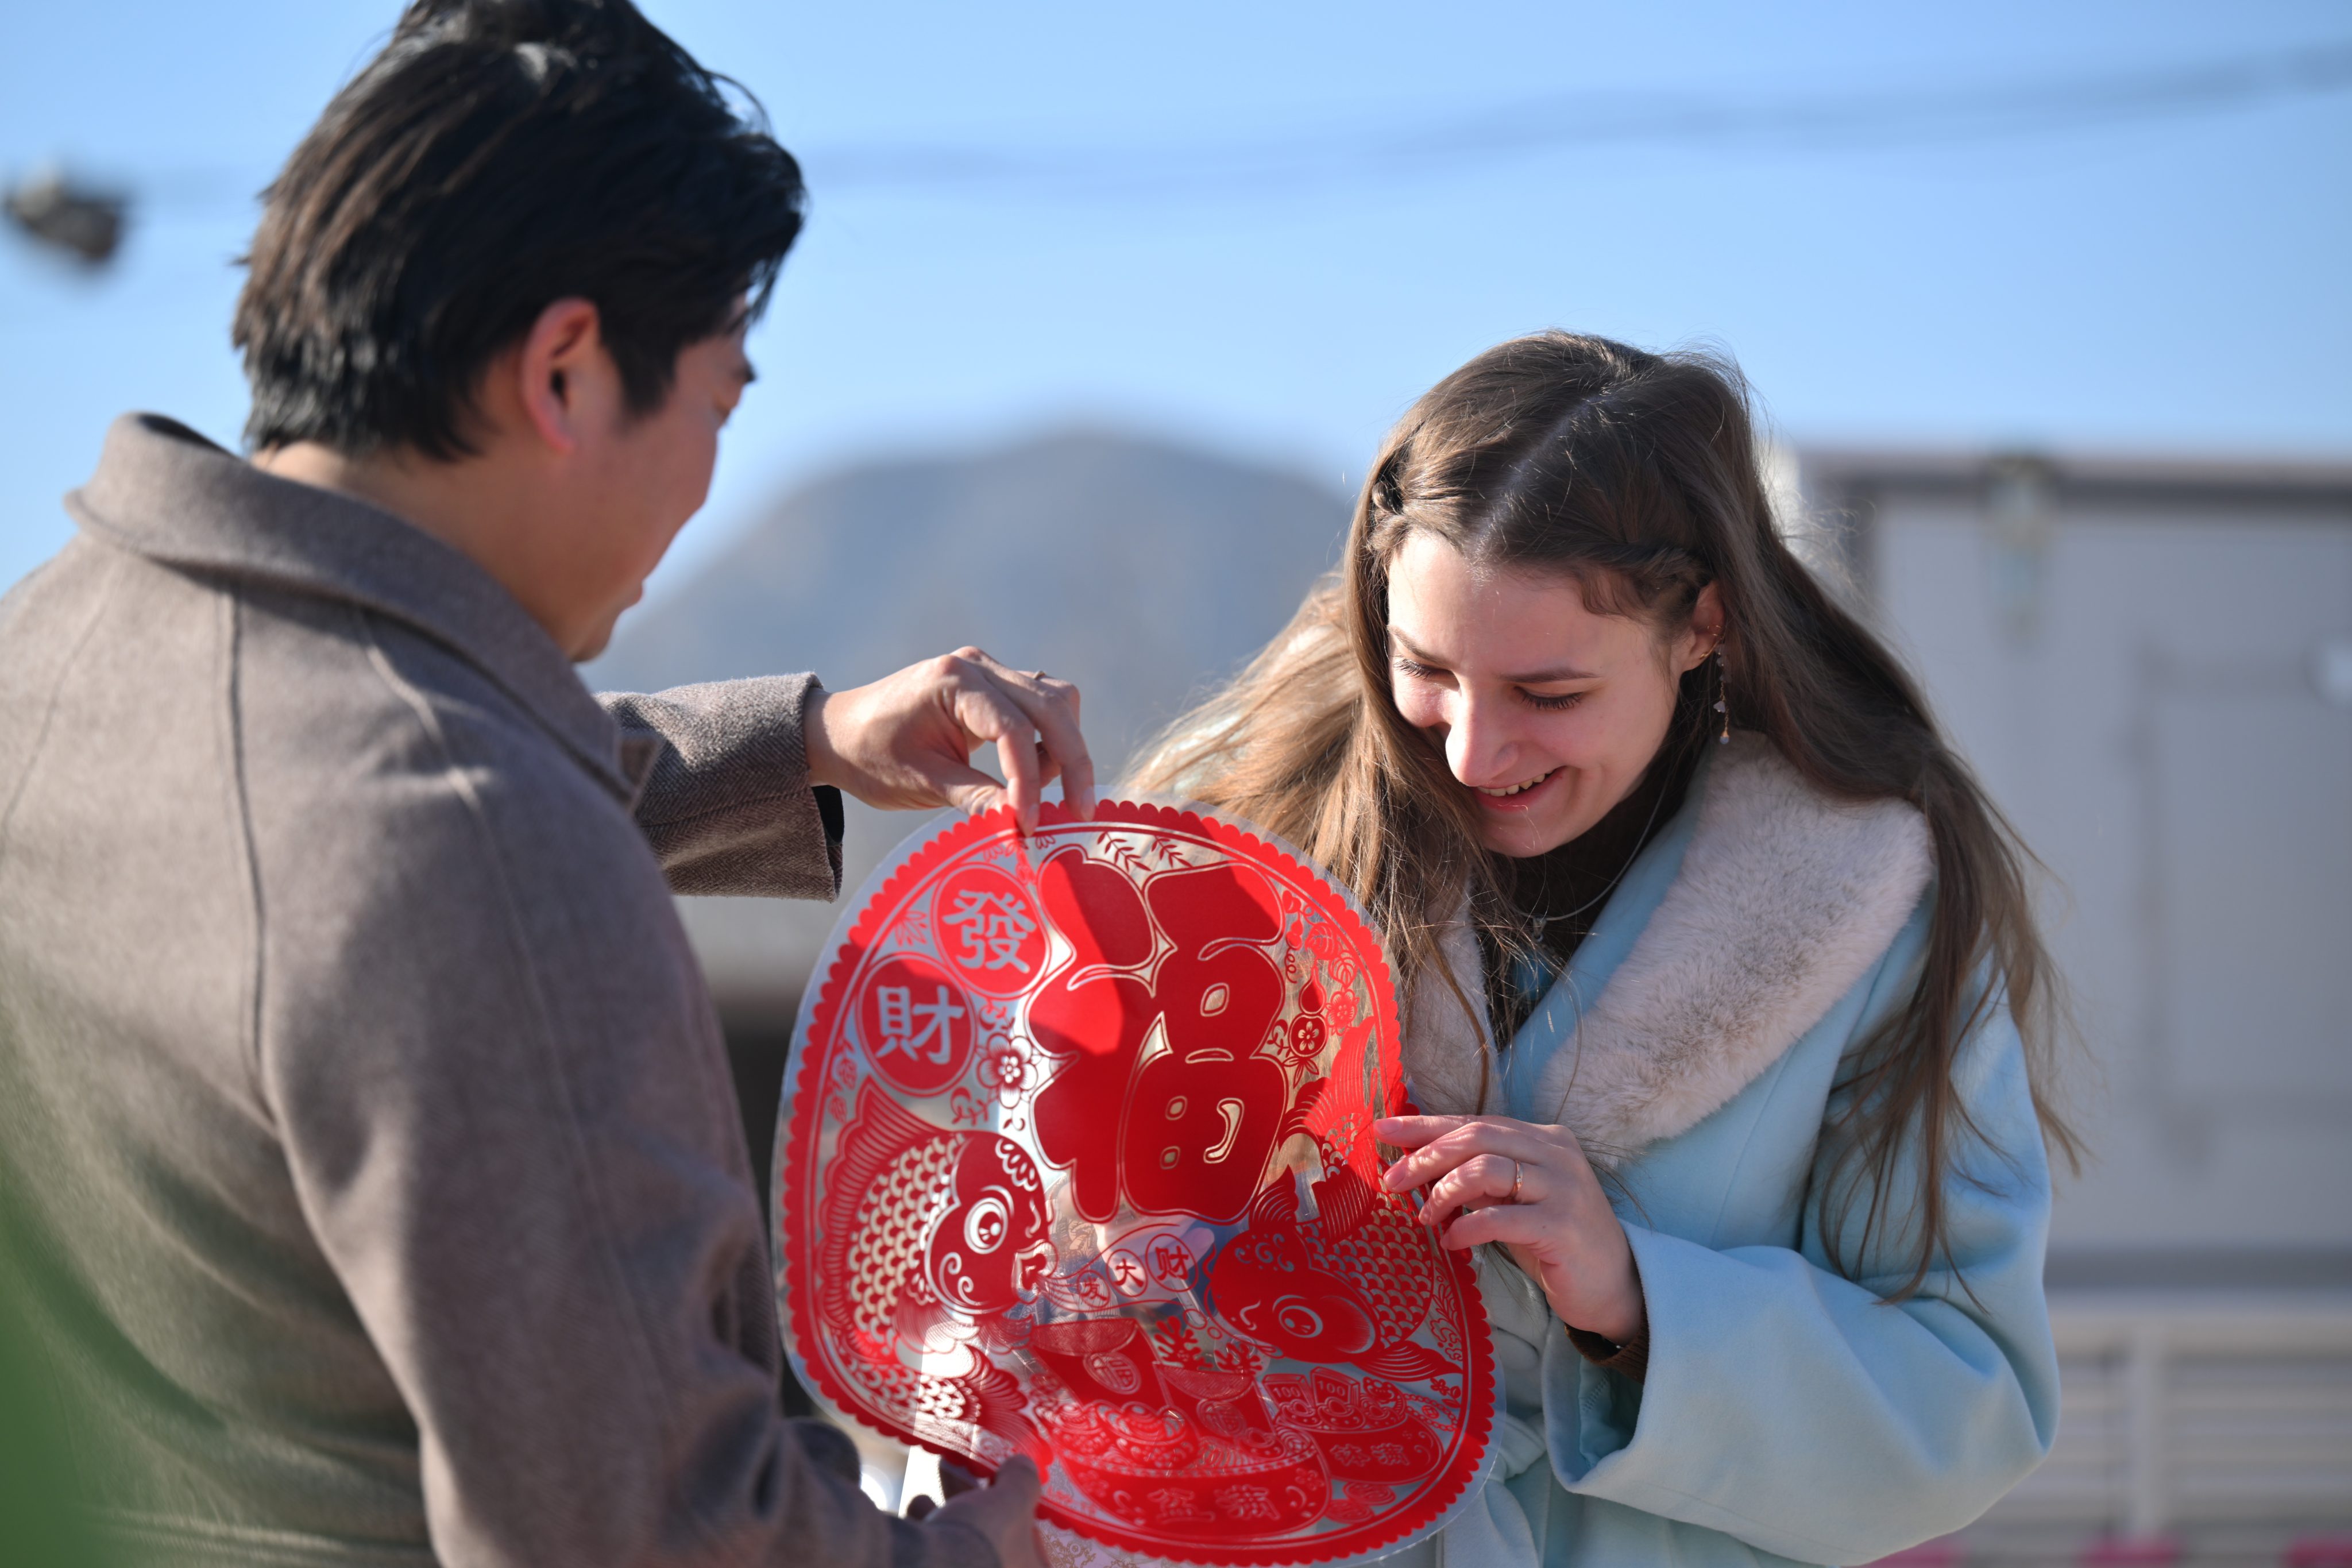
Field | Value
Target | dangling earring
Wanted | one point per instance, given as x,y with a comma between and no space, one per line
1722,694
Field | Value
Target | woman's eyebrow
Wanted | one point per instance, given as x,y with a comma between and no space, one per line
1535,678
1411,651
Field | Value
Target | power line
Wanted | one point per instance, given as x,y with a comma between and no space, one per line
1554,122
1583,119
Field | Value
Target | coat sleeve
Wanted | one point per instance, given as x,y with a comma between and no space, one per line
1787,1404
728,805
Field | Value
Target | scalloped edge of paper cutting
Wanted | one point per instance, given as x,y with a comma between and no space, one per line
943,837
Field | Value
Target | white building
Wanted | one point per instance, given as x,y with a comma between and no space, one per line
2150,666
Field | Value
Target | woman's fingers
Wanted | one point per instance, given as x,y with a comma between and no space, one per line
1443,1148
1513,1224
1530,1188
1413,1131
1481,1179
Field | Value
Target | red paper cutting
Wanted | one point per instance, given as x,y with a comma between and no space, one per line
1075,1160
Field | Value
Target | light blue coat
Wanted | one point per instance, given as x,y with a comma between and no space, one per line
1788,1414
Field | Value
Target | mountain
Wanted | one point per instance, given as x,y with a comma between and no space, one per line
1142,571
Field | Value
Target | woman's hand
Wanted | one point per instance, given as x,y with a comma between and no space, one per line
1530,1188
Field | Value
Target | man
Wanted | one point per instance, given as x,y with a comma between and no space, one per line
376,1177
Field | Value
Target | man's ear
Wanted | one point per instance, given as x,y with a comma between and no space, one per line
561,358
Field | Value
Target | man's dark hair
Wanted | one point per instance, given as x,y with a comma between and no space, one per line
499,155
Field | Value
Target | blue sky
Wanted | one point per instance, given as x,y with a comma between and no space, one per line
2165,285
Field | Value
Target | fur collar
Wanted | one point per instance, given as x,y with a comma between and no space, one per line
1784,899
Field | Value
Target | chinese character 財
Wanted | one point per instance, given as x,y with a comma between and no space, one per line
1171,1261
899,1012
993,927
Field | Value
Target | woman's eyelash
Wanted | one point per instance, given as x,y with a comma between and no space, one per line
1416,670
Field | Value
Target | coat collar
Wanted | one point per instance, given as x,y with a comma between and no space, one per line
1784,899
165,492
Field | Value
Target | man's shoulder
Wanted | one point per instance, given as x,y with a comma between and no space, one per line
329,686
382,766
410,817
48,614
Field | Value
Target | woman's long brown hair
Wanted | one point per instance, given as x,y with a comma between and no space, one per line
1637,474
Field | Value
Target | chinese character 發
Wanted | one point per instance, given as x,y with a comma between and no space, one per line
993,927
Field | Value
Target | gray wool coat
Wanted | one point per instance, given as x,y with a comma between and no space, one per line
375,1185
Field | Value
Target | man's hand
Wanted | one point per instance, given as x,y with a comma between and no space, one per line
1005,1511
905,741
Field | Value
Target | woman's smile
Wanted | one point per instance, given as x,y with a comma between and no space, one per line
1522,797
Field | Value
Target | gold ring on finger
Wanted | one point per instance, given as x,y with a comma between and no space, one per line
1518,1175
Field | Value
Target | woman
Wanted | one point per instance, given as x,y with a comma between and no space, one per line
1715,958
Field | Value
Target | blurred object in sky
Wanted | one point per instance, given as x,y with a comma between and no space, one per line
61,212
